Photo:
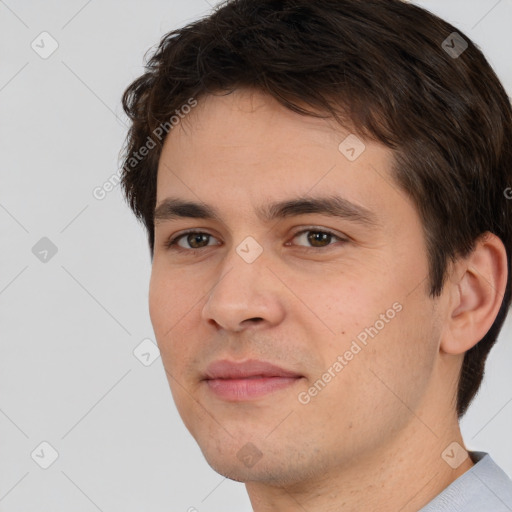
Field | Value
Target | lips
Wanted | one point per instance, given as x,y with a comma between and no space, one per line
235,382
252,368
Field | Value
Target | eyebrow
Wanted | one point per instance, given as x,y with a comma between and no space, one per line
334,206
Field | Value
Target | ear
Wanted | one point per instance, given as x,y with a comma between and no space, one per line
476,289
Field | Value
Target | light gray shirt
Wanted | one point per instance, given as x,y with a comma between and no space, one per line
485,487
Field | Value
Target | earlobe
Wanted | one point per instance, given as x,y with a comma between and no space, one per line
475,295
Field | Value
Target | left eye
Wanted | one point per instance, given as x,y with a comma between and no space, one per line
318,238
199,239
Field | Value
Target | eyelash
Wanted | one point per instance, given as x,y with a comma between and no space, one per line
171,244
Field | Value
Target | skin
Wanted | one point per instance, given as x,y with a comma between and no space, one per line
372,438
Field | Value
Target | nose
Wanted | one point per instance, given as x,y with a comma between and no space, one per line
245,295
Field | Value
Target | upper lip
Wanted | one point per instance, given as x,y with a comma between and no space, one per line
225,369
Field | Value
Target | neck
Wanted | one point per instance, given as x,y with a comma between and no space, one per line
405,475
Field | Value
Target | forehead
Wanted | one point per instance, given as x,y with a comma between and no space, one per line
244,150
247,118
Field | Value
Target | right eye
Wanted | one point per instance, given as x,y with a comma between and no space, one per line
192,238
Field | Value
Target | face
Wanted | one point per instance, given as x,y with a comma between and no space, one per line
338,299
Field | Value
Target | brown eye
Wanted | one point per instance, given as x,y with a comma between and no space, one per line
194,239
317,239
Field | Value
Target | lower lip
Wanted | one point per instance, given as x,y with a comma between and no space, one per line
244,389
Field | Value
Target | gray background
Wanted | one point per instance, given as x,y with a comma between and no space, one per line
70,325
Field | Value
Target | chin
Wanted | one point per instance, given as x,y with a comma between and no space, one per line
267,470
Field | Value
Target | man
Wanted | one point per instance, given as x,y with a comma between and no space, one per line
325,187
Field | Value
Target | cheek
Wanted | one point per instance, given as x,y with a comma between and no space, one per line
170,299
393,360
173,308
166,309
160,303
405,355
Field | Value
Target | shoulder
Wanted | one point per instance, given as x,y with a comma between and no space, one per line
483,487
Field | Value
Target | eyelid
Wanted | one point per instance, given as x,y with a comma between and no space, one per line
173,240
302,230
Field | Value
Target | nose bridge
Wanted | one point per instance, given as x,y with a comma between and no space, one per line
244,289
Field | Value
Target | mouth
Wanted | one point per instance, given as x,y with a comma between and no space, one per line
248,380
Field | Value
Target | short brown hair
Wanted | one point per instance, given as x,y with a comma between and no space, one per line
385,68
